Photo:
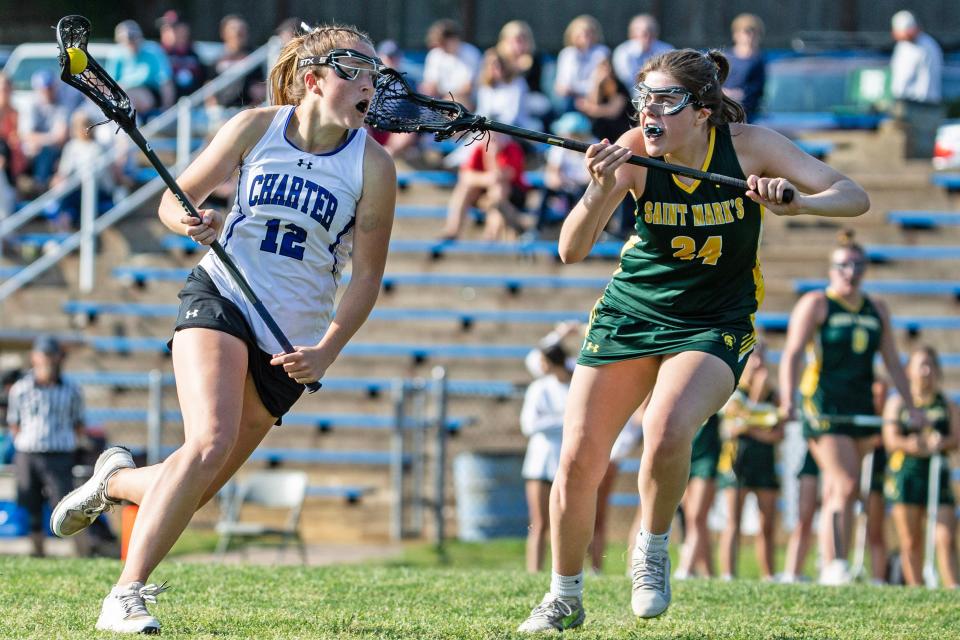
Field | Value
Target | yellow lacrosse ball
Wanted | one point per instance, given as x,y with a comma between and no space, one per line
78,60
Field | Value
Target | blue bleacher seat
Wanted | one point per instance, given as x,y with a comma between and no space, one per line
819,149
276,456
321,421
39,240
435,178
923,219
350,493
949,181
140,379
9,272
819,121
885,253
892,287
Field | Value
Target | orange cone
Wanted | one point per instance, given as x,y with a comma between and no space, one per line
128,515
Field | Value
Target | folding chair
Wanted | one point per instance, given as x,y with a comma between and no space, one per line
272,490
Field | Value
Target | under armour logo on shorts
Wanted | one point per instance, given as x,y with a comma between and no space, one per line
193,313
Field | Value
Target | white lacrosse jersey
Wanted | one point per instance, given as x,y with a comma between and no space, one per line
290,232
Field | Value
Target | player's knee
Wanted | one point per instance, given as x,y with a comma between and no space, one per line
211,448
581,469
667,442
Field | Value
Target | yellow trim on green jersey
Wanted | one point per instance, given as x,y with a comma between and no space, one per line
690,188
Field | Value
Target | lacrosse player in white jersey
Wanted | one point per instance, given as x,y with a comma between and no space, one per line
313,188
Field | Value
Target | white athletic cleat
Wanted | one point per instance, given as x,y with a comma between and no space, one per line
836,573
554,613
125,609
80,507
651,582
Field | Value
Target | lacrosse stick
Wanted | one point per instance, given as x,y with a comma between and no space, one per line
930,577
398,108
79,70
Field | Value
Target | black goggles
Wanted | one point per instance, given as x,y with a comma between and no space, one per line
347,63
663,101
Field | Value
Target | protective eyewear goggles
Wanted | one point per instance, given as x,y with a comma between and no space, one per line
663,101
347,63
855,266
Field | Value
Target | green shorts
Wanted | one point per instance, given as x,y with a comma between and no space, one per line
912,488
705,452
813,428
809,466
753,466
614,335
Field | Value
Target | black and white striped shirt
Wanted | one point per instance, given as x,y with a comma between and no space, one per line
45,414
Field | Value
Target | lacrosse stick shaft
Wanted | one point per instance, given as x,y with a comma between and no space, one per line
642,161
930,578
217,248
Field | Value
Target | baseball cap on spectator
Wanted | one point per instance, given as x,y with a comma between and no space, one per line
47,344
42,79
127,30
388,49
903,21
572,123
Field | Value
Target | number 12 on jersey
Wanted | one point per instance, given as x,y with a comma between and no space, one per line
291,245
687,249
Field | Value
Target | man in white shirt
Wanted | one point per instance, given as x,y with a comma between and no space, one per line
641,45
915,83
451,65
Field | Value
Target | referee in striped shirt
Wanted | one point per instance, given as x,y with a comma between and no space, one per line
45,415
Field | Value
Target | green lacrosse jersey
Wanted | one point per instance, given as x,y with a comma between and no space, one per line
693,261
839,379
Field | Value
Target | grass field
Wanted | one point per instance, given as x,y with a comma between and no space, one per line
419,597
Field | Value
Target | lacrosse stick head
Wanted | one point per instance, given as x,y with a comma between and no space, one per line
398,108
73,32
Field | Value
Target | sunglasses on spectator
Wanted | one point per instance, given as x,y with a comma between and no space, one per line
347,63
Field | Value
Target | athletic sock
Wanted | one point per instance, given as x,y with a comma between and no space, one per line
652,541
566,586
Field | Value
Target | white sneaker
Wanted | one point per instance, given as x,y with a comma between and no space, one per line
125,609
651,582
80,507
680,575
554,613
836,573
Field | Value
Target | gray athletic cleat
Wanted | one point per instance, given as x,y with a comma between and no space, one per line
80,507
554,613
651,582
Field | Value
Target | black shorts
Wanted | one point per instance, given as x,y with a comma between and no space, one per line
201,305
42,476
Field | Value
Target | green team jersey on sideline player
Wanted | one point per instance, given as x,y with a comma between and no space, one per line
693,260
839,381
908,478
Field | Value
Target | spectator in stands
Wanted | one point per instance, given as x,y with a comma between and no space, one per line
565,177
747,69
641,45
80,153
396,144
8,192
606,102
188,71
45,415
142,69
583,50
43,129
748,464
250,90
908,482
451,65
288,29
491,179
916,84
541,420
501,91
8,377
9,127
518,49
849,329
